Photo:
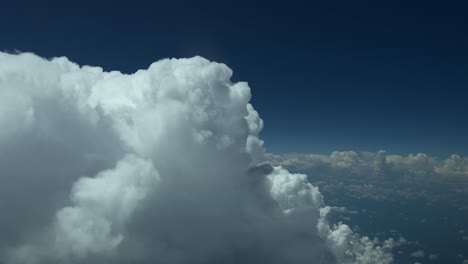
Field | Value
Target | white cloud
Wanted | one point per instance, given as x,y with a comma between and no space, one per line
156,166
100,208
418,254
293,192
455,165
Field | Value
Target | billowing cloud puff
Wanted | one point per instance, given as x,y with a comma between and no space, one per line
160,166
455,165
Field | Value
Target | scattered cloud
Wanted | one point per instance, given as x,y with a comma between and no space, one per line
384,177
418,254
388,180
433,256
375,164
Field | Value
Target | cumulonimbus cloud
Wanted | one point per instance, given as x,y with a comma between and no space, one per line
159,166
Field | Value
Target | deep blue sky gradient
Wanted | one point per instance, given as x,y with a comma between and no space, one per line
325,76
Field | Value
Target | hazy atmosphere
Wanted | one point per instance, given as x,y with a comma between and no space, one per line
234,132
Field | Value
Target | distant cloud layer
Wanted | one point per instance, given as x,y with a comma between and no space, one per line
382,176
375,164
160,166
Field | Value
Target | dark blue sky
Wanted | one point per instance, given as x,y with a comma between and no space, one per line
325,76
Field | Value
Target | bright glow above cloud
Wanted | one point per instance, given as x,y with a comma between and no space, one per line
158,166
